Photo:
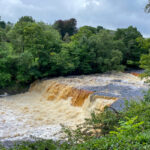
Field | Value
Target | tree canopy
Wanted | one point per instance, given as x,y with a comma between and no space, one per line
66,26
31,50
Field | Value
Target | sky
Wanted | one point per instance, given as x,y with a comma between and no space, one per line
111,14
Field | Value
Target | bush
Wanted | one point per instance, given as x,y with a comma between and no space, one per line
128,129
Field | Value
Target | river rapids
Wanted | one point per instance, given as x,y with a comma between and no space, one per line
65,100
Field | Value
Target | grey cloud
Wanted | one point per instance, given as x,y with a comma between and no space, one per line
108,13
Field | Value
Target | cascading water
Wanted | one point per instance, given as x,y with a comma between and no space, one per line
40,111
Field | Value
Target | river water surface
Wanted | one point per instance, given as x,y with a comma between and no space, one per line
48,104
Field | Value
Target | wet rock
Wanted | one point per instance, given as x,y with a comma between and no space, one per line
122,92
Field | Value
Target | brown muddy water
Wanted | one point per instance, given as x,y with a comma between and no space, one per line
40,111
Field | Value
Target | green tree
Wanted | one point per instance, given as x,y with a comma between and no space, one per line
66,26
145,58
145,64
95,52
2,35
2,24
144,44
5,76
41,40
83,32
33,44
132,51
31,50
26,19
62,62
16,35
107,54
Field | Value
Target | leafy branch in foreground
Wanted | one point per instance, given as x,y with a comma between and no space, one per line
147,7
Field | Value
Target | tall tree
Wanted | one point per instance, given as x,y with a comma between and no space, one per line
66,26
132,51
2,24
17,34
26,19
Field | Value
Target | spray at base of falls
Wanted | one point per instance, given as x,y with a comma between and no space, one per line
40,111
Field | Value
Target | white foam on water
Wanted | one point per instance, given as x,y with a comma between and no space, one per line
31,114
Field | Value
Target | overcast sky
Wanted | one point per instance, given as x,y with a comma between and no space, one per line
110,14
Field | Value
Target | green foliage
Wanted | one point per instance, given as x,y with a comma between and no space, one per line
97,52
127,128
147,96
66,26
131,51
83,32
63,65
2,147
100,124
40,145
33,50
5,65
147,7
145,64
2,24
26,19
145,58
144,44
29,52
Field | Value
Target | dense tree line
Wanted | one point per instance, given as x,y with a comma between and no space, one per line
31,50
